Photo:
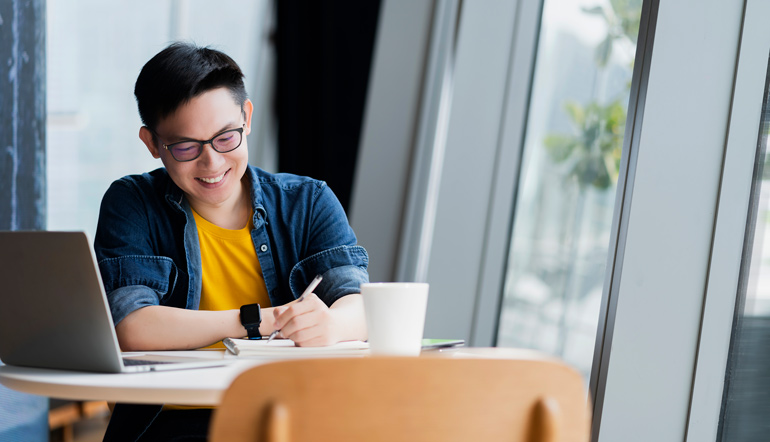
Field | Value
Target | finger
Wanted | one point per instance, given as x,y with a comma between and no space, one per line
287,312
277,312
304,337
291,325
315,336
306,327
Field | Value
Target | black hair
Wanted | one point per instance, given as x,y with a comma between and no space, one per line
180,73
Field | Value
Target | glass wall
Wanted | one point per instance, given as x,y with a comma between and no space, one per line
95,52
564,207
746,401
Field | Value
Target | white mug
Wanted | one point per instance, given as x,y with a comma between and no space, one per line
395,316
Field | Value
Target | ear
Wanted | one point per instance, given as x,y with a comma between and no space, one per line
248,110
149,140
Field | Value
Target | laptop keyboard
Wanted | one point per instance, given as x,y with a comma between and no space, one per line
130,362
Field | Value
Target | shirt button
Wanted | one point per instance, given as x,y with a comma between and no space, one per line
263,247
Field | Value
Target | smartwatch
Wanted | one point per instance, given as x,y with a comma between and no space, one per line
251,317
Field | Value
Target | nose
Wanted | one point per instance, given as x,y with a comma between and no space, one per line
210,157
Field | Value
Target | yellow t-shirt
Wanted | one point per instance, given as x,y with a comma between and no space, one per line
231,272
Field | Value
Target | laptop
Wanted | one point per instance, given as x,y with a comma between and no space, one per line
54,311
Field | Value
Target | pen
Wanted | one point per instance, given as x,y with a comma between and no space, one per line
230,346
313,284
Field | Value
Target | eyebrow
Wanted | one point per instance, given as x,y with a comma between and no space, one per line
178,139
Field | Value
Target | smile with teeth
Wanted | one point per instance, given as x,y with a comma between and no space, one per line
213,180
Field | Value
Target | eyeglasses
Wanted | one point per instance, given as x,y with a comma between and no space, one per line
222,142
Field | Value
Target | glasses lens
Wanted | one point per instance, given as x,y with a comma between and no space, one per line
185,151
227,141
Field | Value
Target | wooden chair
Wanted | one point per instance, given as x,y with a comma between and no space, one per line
404,399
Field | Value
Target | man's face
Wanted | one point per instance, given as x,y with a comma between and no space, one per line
213,180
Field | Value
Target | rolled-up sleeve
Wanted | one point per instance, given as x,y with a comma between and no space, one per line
331,251
133,274
134,281
343,269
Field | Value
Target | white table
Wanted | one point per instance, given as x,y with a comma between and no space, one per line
200,386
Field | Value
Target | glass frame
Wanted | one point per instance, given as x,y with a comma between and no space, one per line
170,147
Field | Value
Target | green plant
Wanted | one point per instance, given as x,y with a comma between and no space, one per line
592,154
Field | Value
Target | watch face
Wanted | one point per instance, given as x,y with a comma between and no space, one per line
250,314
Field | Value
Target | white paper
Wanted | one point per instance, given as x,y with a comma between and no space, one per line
285,348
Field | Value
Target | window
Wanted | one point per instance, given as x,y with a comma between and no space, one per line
570,164
95,52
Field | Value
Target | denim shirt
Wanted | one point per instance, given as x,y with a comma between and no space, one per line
148,251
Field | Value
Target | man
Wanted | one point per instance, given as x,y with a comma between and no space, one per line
209,247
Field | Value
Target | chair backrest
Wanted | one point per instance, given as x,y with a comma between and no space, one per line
404,399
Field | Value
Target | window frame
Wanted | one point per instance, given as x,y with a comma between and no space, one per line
648,360
731,226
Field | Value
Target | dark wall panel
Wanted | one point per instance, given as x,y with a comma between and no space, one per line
324,54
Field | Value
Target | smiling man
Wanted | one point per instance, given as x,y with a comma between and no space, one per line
209,247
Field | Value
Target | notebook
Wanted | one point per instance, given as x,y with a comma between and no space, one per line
285,348
54,312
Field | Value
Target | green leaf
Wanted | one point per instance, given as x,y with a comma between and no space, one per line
559,147
576,112
590,157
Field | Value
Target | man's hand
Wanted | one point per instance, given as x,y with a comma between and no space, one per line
311,323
